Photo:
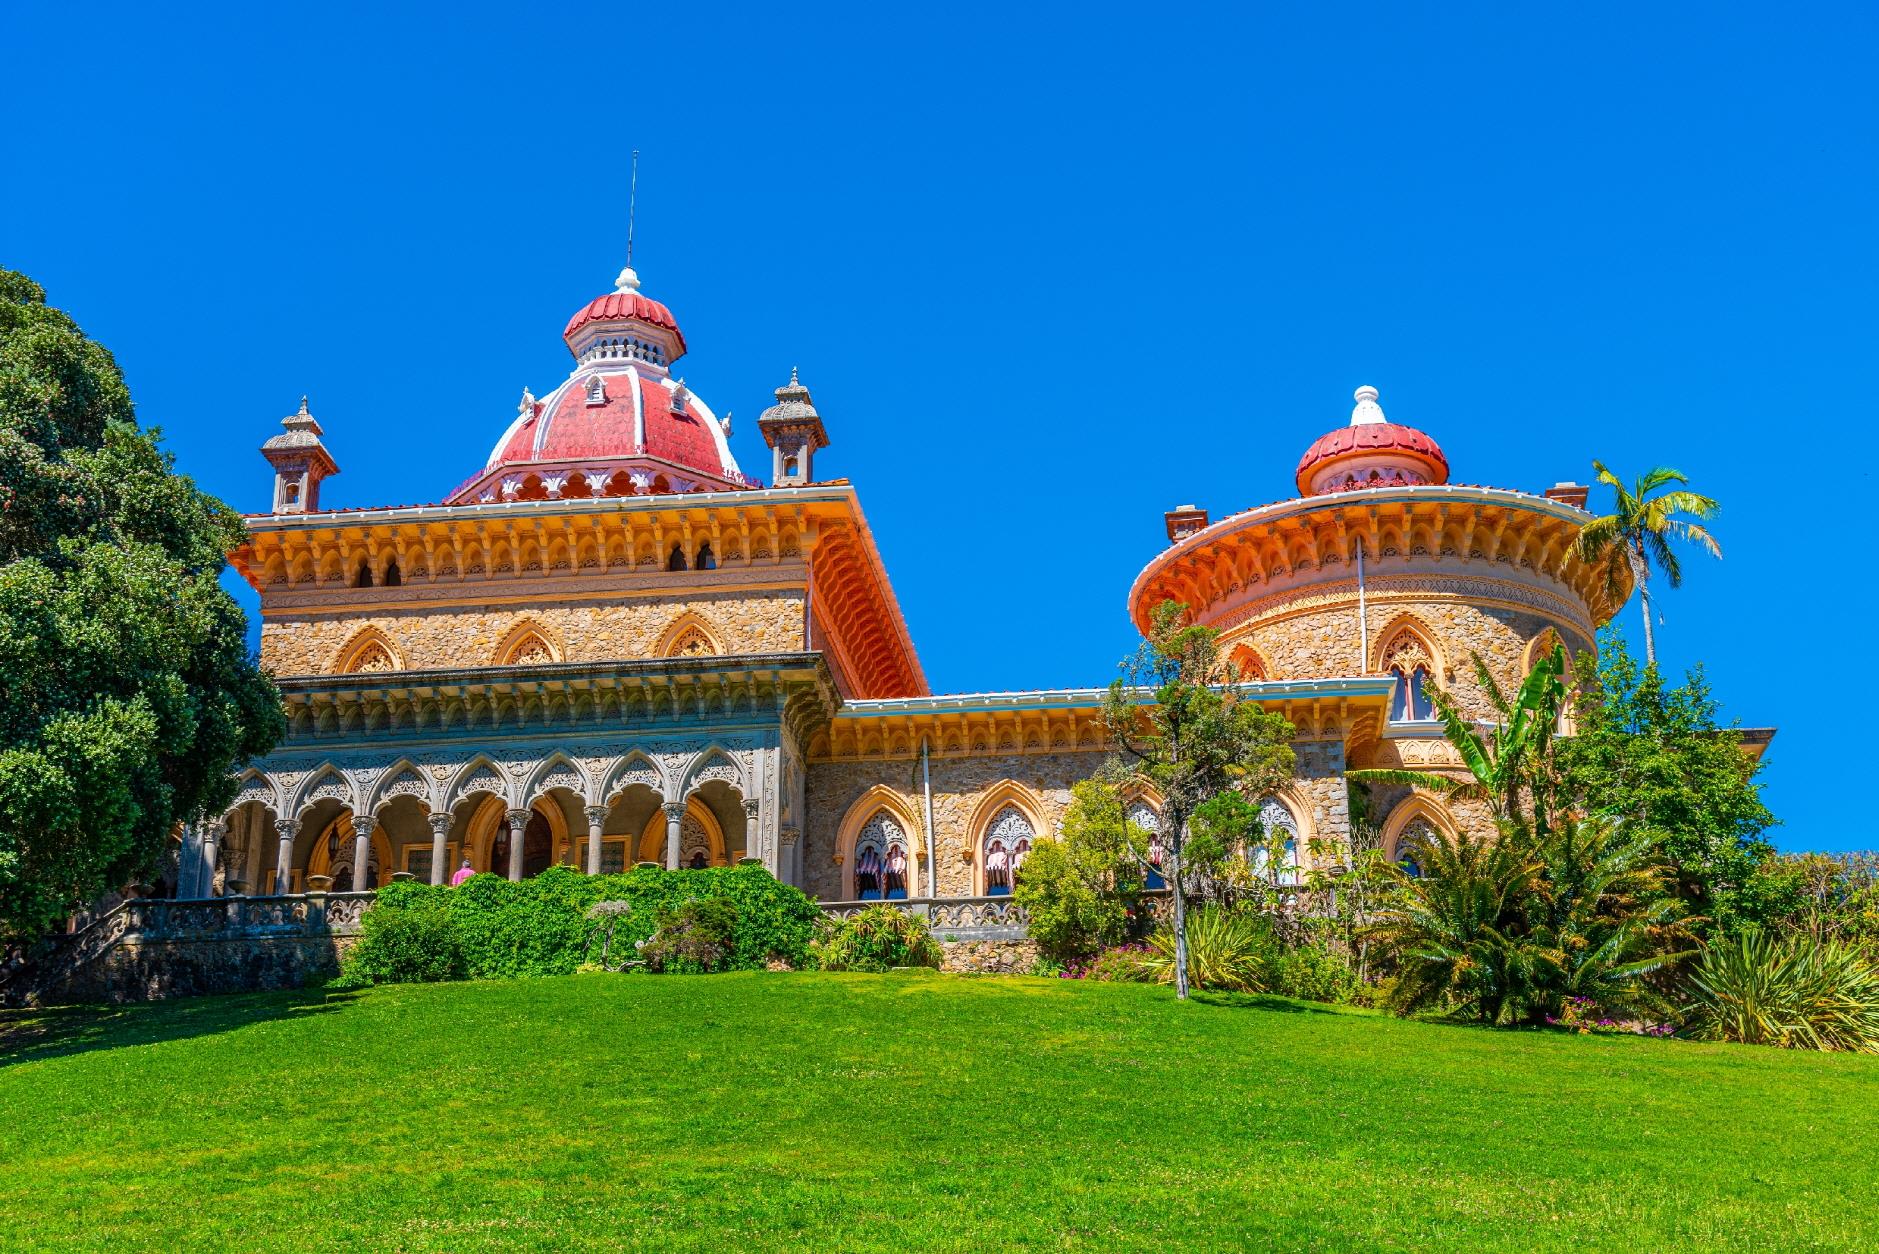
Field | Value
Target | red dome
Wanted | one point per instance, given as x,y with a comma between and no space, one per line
617,305
1370,437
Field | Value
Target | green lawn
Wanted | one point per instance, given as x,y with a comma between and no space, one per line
916,1111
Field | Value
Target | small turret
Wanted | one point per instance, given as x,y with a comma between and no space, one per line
794,432
300,462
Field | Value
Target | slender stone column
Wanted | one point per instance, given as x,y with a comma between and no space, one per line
753,831
362,827
674,815
596,820
212,833
440,828
518,830
189,861
286,829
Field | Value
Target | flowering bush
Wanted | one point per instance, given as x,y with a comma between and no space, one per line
1120,964
1581,1015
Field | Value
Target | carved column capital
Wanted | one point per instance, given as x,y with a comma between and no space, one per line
364,824
520,818
287,829
440,823
214,829
674,811
751,806
596,816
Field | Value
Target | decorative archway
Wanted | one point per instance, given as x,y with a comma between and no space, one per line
369,651
332,852
879,820
699,834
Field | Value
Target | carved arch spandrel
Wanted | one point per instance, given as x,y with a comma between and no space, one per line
1405,630
528,643
367,651
689,635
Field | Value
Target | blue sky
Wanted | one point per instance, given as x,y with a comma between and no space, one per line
1049,271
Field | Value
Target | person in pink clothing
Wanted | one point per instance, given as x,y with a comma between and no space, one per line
463,873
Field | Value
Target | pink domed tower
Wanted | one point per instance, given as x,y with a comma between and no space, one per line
620,425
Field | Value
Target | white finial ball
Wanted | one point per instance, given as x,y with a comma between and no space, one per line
1364,393
628,281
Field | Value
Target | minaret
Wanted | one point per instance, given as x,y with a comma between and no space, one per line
794,432
300,461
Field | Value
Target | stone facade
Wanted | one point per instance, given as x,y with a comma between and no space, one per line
467,634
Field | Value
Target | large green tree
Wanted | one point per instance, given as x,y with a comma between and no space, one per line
1635,537
127,691
1180,719
1656,756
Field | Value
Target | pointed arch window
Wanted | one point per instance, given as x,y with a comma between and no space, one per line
881,860
1412,846
1407,663
1006,845
1280,828
1143,816
676,559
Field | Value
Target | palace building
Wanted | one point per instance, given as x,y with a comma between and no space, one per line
611,645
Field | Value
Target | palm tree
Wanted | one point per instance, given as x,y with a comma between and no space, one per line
1637,536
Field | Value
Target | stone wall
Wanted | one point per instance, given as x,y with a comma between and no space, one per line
141,970
963,790
1316,637
308,641
960,787
988,957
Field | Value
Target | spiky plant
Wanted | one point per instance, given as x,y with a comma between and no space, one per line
1226,949
1758,988
1636,536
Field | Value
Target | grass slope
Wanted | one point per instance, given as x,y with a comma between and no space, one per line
914,1111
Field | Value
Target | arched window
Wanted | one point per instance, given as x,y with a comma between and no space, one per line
1409,699
881,860
676,559
364,578
392,577
1280,828
1006,845
706,559
1143,816
1412,846
1407,662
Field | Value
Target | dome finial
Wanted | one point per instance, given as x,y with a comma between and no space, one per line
1366,410
792,378
628,281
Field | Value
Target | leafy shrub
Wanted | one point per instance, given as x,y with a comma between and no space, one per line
539,926
1315,972
416,944
1760,989
697,938
1226,949
875,939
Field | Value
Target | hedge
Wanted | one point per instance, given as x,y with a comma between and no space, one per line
538,926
